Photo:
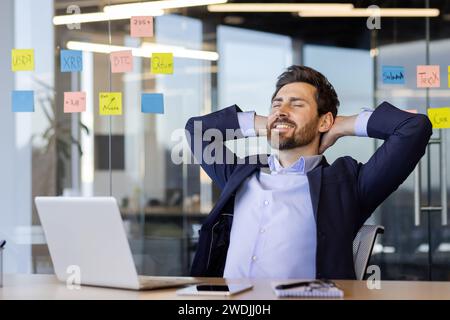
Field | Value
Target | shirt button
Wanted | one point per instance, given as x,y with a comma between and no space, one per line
254,258
266,202
262,230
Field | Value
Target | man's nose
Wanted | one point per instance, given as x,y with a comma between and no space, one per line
283,110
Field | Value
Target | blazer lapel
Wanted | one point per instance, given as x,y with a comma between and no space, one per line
233,184
315,182
255,163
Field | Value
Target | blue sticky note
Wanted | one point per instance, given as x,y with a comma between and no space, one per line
23,101
393,74
152,103
71,61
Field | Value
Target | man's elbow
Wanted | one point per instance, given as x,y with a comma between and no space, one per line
424,128
189,127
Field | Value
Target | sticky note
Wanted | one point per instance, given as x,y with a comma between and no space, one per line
428,76
439,117
22,101
141,26
411,110
22,60
162,63
121,61
448,70
71,61
110,103
74,102
393,74
152,103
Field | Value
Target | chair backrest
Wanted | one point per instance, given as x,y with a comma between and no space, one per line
362,248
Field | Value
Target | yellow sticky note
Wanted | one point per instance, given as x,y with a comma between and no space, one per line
439,117
448,71
22,60
162,63
110,103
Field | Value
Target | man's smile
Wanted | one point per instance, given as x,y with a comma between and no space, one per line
282,126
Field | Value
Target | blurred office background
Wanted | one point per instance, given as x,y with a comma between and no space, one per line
229,58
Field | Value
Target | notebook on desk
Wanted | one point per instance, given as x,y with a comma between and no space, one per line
308,288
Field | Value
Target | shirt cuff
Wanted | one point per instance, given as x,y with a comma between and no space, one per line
361,122
247,123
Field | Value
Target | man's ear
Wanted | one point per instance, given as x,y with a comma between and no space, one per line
326,121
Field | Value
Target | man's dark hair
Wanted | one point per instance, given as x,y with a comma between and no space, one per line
326,97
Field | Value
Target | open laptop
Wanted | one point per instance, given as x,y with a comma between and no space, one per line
88,233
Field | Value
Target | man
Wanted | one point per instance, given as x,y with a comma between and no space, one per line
294,215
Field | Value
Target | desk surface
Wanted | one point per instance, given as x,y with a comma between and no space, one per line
47,287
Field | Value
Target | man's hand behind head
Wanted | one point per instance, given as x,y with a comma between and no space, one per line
342,126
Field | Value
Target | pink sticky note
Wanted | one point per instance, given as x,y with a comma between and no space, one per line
141,26
74,102
411,110
428,77
121,61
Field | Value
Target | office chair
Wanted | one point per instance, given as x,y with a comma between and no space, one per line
362,248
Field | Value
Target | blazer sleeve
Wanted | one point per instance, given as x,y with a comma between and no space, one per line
206,136
405,136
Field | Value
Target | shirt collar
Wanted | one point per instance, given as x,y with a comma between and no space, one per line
302,166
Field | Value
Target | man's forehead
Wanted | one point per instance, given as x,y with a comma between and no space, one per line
300,90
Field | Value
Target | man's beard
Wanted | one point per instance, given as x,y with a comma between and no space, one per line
300,138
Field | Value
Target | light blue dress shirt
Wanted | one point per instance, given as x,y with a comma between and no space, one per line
274,229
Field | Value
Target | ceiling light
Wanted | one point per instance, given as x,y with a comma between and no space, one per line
142,7
277,7
371,12
126,11
97,16
145,50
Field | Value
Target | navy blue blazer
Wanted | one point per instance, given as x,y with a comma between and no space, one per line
344,194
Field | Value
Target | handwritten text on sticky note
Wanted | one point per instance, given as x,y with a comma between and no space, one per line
439,117
22,60
141,26
428,77
162,63
393,75
152,103
71,61
74,102
121,61
22,101
110,103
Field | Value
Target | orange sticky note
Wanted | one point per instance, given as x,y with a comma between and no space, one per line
74,102
141,26
22,60
110,103
439,117
428,76
121,61
162,63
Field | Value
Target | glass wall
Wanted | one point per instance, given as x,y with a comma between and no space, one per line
136,158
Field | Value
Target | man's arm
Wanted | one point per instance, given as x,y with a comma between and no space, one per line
405,136
206,135
342,126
